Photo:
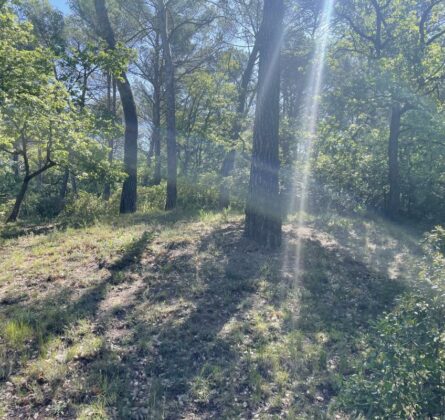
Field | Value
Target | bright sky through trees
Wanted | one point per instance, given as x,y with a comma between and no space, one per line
61,5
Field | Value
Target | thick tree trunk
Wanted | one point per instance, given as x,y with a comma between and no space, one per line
18,202
393,206
129,191
263,212
229,160
170,96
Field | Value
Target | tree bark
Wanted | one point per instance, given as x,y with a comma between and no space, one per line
24,188
64,186
393,162
18,202
156,137
15,166
170,96
263,212
229,160
129,191
73,183
111,108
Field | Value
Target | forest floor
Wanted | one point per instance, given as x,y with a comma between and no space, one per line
165,316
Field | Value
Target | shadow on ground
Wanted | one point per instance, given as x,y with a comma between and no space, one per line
206,328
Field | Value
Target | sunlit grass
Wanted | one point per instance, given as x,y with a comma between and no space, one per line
155,297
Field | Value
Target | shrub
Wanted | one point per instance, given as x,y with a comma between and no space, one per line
401,372
85,209
197,195
151,198
48,207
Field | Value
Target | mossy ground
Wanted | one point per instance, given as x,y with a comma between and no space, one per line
158,316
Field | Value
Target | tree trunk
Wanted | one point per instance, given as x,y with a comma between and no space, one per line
170,96
111,108
73,183
15,166
18,202
129,190
263,212
393,162
107,187
229,160
28,177
64,186
157,118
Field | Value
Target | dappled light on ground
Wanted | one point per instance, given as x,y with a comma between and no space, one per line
188,319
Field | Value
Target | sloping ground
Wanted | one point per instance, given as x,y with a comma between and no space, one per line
151,317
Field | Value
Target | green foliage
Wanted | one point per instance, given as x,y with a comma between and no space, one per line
198,195
403,368
39,206
401,371
85,209
151,198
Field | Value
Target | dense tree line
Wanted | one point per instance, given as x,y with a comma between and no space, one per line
118,96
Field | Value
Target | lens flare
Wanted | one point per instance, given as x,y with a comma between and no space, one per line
301,174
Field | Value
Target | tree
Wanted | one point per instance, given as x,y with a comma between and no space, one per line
263,210
401,42
129,190
229,159
170,99
243,14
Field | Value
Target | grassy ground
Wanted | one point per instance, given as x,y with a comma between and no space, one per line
156,316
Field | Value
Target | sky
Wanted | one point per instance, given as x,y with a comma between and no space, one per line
61,5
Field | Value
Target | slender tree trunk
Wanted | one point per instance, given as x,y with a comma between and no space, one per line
107,187
64,186
26,180
18,201
393,162
229,160
157,116
15,166
170,96
40,177
129,191
73,182
111,108
263,210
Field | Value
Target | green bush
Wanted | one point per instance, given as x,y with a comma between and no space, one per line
48,207
5,209
151,198
85,209
401,372
197,195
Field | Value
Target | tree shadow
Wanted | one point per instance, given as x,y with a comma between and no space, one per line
383,246
340,292
192,365
180,357
50,317
190,345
